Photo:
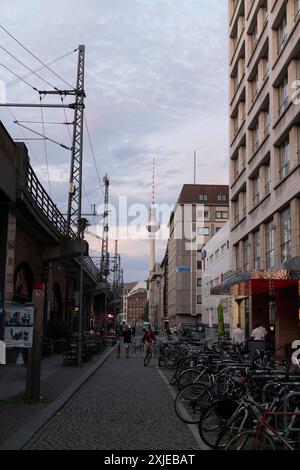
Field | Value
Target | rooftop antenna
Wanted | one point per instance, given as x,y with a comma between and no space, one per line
153,181
195,166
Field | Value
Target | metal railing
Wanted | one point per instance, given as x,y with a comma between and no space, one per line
44,202
90,266
49,209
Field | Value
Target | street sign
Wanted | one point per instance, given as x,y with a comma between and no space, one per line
183,269
19,326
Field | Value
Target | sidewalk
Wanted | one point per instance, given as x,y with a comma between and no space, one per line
56,378
123,406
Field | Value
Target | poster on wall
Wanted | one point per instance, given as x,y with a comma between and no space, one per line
19,326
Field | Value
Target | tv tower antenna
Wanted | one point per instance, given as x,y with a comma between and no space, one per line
153,224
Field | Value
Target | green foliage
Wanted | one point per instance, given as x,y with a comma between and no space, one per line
58,330
221,326
145,316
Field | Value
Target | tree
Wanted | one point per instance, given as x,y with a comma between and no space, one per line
221,326
145,315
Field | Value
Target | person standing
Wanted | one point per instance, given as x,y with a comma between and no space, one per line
259,333
238,337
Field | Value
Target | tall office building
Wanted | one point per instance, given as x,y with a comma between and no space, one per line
264,66
200,212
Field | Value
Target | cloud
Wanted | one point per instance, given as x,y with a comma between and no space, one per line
156,84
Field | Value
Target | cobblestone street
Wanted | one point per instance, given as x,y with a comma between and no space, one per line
123,406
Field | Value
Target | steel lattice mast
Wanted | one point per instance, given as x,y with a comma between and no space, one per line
75,182
104,266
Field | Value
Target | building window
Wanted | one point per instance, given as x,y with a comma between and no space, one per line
217,254
270,245
284,159
203,197
256,249
255,137
246,255
267,123
267,178
297,8
283,96
256,196
199,299
223,249
282,34
254,37
286,235
221,215
237,257
199,265
255,87
203,231
203,215
199,282
221,198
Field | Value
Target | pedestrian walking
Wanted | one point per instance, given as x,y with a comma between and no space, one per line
127,339
133,331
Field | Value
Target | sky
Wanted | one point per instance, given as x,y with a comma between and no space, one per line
156,85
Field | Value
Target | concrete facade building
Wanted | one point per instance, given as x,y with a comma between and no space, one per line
216,267
264,66
127,287
200,212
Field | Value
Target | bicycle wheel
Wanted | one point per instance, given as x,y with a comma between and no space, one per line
148,358
240,421
190,402
249,440
192,376
213,420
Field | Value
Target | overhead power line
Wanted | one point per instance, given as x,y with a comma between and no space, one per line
93,154
28,68
35,57
41,68
20,78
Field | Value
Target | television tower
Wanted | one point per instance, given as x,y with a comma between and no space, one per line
153,224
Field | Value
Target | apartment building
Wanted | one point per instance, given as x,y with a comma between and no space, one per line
216,269
264,66
127,287
136,302
200,212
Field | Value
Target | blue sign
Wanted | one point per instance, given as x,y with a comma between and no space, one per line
183,269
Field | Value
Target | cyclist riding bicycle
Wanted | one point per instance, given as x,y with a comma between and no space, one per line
148,339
